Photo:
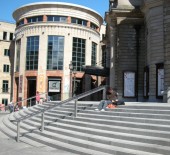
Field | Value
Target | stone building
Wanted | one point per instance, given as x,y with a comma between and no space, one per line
138,42
6,58
48,36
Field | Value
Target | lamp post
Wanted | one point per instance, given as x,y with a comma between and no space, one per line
74,82
71,69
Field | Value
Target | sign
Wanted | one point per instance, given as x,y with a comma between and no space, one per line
129,84
160,82
54,86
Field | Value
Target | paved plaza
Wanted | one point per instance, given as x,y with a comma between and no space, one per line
11,147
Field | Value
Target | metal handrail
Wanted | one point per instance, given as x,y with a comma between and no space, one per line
28,98
75,98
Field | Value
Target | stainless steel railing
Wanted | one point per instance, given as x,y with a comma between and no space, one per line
42,112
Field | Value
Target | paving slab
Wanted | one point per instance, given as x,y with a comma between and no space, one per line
11,147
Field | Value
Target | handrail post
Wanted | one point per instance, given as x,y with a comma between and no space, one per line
42,122
75,109
18,130
104,93
30,103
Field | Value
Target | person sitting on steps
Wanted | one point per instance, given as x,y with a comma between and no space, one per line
112,97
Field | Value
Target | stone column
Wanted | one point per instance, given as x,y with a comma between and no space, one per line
167,51
113,48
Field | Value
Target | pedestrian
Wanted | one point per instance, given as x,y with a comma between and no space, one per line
11,107
112,97
37,97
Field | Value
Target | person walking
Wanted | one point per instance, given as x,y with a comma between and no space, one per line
112,96
37,97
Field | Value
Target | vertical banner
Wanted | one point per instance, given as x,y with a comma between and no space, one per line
129,84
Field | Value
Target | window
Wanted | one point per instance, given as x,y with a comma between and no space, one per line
18,49
104,58
5,86
6,52
93,55
32,53
21,22
57,19
5,101
93,26
4,35
78,53
6,68
79,21
35,19
55,52
11,36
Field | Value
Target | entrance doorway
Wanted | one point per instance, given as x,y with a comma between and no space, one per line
54,89
31,90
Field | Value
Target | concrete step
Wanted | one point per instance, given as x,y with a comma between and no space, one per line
125,123
85,147
114,134
61,133
130,114
126,130
123,118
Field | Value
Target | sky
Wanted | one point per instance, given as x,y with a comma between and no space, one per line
7,7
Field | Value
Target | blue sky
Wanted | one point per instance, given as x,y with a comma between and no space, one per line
8,6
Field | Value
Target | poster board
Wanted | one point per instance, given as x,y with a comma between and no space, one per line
54,86
160,84
129,84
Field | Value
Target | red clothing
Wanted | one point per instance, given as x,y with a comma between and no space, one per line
38,97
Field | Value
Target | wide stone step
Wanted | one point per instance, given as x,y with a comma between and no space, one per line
123,118
113,134
147,111
148,106
129,114
84,147
70,134
125,123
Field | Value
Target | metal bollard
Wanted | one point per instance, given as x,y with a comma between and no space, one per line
42,122
18,131
75,109
30,103
104,93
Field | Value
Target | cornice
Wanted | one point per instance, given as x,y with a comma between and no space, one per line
147,4
114,14
20,31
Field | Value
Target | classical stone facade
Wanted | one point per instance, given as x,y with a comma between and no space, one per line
137,41
7,61
48,36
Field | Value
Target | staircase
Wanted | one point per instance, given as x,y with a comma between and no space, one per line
132,129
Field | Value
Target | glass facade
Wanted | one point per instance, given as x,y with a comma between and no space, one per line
78,53
32,53
55,53
93,55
